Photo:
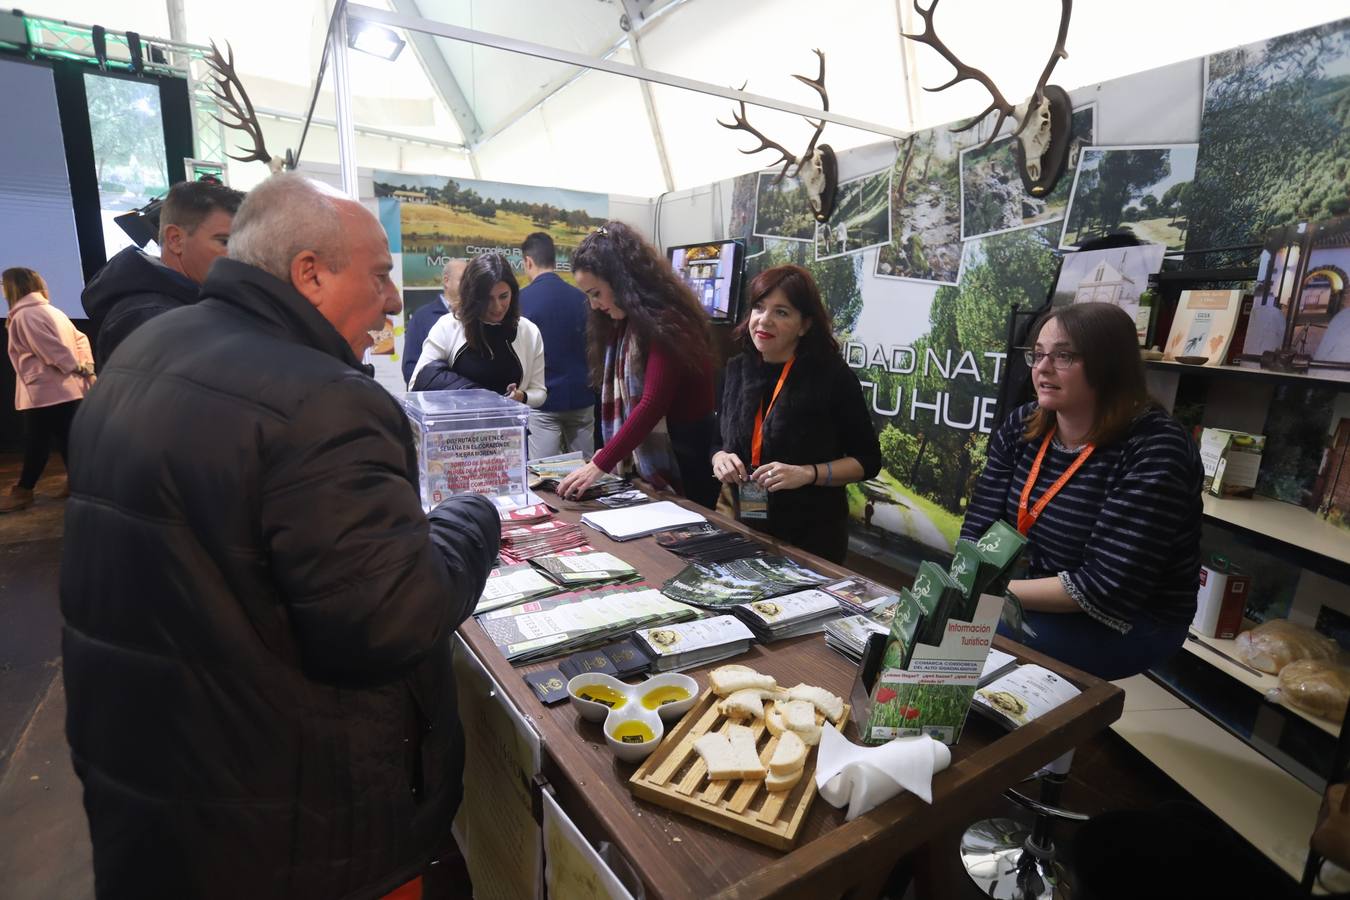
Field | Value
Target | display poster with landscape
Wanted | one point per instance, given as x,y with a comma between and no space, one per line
1139,191
1116,276
442,218
1273,143
993,198
782,209
925,210
861,217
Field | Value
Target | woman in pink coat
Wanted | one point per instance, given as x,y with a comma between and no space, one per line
55,370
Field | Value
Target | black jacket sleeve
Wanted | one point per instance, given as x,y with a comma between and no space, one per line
438,376
856,432
371,584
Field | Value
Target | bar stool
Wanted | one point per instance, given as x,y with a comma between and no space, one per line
1007,860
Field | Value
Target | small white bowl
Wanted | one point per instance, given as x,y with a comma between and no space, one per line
594,710
630,751
672,710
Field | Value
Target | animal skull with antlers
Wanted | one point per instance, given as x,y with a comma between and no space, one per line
815,167
227,83
1044,121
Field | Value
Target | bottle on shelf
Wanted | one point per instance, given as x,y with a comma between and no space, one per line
1146,317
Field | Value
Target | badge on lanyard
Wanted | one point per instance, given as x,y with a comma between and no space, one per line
753,497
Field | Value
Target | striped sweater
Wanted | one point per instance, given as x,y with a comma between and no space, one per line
1123,535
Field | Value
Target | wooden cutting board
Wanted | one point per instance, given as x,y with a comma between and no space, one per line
675,777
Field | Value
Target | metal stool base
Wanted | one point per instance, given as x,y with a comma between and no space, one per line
995,855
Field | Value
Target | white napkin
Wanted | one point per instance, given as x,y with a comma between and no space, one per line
865,777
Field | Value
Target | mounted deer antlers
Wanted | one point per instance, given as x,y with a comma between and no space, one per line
815,166
241,108
1049,106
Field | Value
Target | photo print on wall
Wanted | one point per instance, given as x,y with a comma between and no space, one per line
925,211
1276,286
993,199
1137,190
1273,137
782,210
861,217
741,226
1116,276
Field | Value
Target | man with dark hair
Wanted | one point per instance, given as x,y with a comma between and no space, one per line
422,320
258,613
134,287
566,420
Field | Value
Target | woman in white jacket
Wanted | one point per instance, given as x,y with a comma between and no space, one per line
484,342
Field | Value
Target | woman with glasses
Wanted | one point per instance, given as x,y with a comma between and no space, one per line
1106,488
795,427
484,342
651,358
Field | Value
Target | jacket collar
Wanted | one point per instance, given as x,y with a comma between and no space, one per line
27,300
278,304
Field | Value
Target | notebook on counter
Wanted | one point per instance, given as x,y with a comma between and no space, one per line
639,521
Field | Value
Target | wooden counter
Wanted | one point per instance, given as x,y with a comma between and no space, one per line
680,857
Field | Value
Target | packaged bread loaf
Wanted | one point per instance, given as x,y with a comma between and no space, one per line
1317,686
1273,645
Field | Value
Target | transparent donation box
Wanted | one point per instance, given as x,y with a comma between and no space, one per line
469,442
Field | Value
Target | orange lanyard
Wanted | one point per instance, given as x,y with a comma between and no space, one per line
757,437
1025,518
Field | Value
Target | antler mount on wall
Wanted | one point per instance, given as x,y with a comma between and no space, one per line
227,85
1044,121
815,166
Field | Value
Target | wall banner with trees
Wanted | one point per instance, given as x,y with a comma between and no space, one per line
432,219
922,319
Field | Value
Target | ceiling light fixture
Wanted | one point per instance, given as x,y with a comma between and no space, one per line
377,41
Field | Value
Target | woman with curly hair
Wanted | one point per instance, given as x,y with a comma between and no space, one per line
795,426
652,360
484,342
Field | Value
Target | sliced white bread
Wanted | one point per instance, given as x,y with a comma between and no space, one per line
748,703
829,704
775,783
727,680
722,760
746,756
789,755
773,720
799,715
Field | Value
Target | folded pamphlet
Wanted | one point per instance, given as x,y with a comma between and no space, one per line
684,646
791,615
727,584
639,521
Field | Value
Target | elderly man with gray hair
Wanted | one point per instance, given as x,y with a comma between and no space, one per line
257,610
421,321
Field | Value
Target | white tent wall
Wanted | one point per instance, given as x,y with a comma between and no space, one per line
592,135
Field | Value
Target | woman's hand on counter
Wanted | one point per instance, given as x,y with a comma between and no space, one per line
776,476
576,482
728,468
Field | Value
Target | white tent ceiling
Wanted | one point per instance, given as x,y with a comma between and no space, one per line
457,108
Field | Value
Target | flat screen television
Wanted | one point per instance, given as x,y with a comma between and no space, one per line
713,272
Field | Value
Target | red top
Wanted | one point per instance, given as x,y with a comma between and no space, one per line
668,390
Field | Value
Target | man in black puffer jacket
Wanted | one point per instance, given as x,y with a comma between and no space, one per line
134,287
257,612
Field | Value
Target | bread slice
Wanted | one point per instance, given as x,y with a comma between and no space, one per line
799,715
830,704
727,680
789,755
746,756
722,761
810,736
748,703
776,783
773,720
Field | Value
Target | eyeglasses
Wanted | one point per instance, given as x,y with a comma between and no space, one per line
1060,359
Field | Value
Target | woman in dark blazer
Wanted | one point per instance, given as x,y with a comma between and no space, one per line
795,428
